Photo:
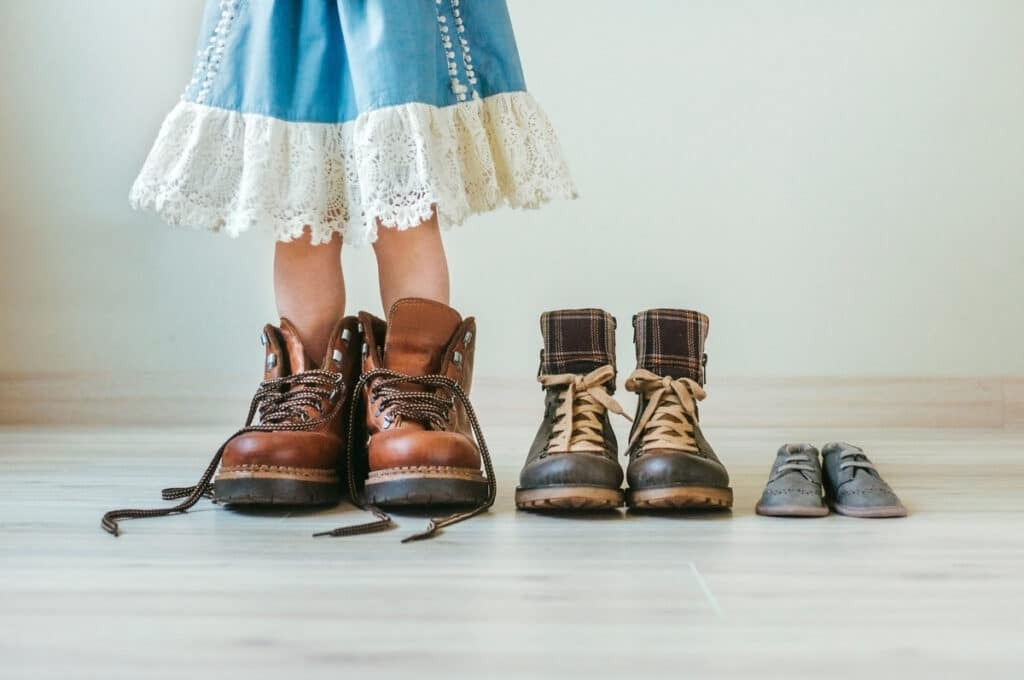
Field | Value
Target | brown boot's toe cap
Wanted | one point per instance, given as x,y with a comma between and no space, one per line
403,448
286,449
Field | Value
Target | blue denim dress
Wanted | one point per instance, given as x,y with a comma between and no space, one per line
341,116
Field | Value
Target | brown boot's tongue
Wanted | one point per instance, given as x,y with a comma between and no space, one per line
298,361
418,335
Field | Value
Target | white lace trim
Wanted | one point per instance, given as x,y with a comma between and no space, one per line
223,170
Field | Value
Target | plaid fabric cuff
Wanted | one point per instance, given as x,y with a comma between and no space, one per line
671,342
576,341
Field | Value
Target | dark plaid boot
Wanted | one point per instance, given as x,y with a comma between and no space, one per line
573,462
671,465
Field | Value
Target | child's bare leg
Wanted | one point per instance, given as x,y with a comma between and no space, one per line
412,263
310,290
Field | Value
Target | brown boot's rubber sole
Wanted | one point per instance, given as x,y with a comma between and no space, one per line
276,485
569,498
426,485
680,498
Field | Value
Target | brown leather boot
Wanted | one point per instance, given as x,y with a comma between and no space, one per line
421,448
424,446
289,463
295,455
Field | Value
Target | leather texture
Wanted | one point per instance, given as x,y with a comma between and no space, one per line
320,449
794,482
658,468
592,468
852,482
420,337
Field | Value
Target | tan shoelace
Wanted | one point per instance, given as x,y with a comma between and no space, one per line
578,425
667,421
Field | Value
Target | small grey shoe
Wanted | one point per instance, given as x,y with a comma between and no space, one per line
853,485
794,485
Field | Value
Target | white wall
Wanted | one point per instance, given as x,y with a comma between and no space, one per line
838,183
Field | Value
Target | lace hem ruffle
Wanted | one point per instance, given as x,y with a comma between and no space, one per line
222,170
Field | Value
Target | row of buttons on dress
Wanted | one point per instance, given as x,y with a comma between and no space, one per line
461,90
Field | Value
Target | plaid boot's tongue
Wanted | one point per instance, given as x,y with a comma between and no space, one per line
670,342
418,335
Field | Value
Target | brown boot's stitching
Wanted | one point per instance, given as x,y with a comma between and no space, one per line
424,468
418,472
418,406
283,404
277,471
428,469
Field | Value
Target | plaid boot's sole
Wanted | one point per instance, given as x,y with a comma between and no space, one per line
680,498
569,498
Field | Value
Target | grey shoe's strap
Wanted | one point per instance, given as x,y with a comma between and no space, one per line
855,458
794,462
796,458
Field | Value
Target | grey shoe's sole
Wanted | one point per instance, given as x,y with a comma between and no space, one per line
426,486
275,491
569,498
791,511
680,498
881,512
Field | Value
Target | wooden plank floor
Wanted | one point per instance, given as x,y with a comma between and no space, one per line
222,594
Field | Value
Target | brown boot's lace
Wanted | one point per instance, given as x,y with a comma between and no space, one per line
671,412
578,424
433,408
293,403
